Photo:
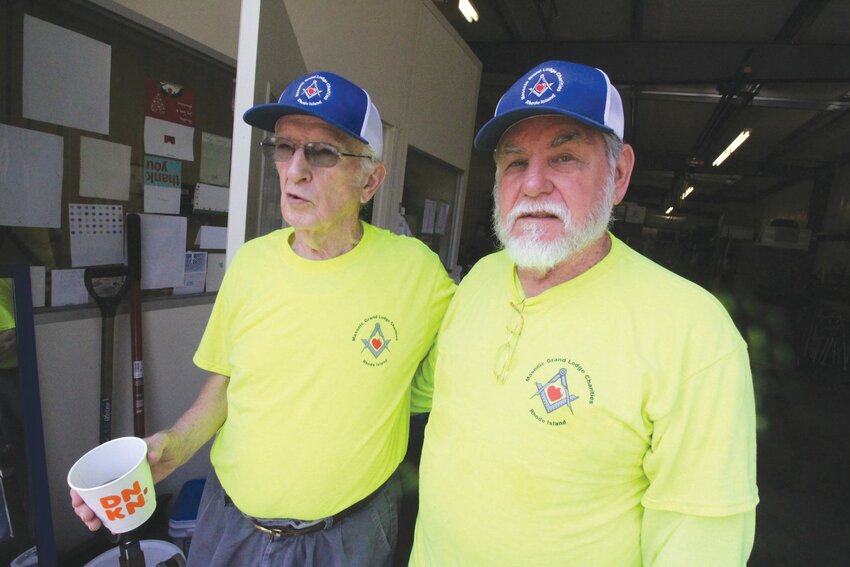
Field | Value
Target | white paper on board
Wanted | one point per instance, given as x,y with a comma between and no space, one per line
212,238
442,218
104,169
169,139
67,287
165,200
429,216
163,250
97,234
30,196
66,77
215,159
211,198
37,283
215,271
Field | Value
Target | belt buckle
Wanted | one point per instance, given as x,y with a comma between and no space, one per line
289,530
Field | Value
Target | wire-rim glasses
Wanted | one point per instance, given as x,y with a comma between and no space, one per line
317,154
506,352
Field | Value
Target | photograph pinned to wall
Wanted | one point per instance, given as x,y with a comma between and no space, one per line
215,159
97,234
195,274
163,177
30,196
170,102
104,169
66,77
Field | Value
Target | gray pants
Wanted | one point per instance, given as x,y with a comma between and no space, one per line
225,537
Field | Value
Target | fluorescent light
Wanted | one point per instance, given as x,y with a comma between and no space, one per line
733,146
669,210
468,10
687,192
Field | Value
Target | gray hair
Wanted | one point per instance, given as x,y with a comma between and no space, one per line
369,162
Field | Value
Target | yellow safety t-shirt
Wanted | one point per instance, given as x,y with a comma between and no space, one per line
7,318
628,388
320,356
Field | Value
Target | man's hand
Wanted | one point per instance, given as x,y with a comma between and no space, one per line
165,453
85,513
164,456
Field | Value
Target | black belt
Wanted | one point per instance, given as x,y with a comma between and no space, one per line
278,531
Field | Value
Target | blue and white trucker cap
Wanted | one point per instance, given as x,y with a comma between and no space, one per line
327,96
556,87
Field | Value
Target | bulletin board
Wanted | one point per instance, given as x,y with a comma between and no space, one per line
99,118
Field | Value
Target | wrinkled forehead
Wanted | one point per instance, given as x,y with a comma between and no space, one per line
299,127
555,129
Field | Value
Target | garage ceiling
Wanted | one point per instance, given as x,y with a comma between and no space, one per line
692,74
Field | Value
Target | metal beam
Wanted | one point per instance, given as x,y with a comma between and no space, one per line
804,15
637,62
524,24
652,161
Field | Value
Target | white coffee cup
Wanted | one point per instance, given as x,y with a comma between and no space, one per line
114,480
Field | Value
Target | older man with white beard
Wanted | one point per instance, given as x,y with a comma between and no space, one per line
588,407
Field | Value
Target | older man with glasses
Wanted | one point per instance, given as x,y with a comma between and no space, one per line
311,345
590,408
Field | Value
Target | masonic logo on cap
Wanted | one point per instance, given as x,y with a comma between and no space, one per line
542,86
313,90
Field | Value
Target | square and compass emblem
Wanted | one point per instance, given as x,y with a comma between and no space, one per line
555,393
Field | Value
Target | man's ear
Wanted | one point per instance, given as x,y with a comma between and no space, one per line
373,182
623,172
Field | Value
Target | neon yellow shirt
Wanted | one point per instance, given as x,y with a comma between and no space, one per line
320,356
7,318
629,389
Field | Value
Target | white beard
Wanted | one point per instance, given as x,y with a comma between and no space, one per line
529,252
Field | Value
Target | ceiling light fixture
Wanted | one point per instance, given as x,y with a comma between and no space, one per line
733,146
669,210
468,10
687,192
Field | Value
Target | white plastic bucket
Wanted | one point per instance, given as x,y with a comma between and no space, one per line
155,551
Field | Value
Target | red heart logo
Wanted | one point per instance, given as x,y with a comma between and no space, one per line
554,393
376,343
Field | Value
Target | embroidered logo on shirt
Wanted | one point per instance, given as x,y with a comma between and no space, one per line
374,335
556,385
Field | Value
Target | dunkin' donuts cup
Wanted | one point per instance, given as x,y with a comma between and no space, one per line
114,479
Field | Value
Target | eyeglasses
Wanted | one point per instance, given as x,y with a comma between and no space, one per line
317,154
506,351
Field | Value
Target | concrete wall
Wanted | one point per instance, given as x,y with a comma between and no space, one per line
210,27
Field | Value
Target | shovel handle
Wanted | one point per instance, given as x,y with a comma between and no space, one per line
108,304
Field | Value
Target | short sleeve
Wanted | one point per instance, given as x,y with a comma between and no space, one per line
213,353
702,457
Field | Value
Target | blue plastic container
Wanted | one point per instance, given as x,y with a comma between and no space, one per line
184,514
